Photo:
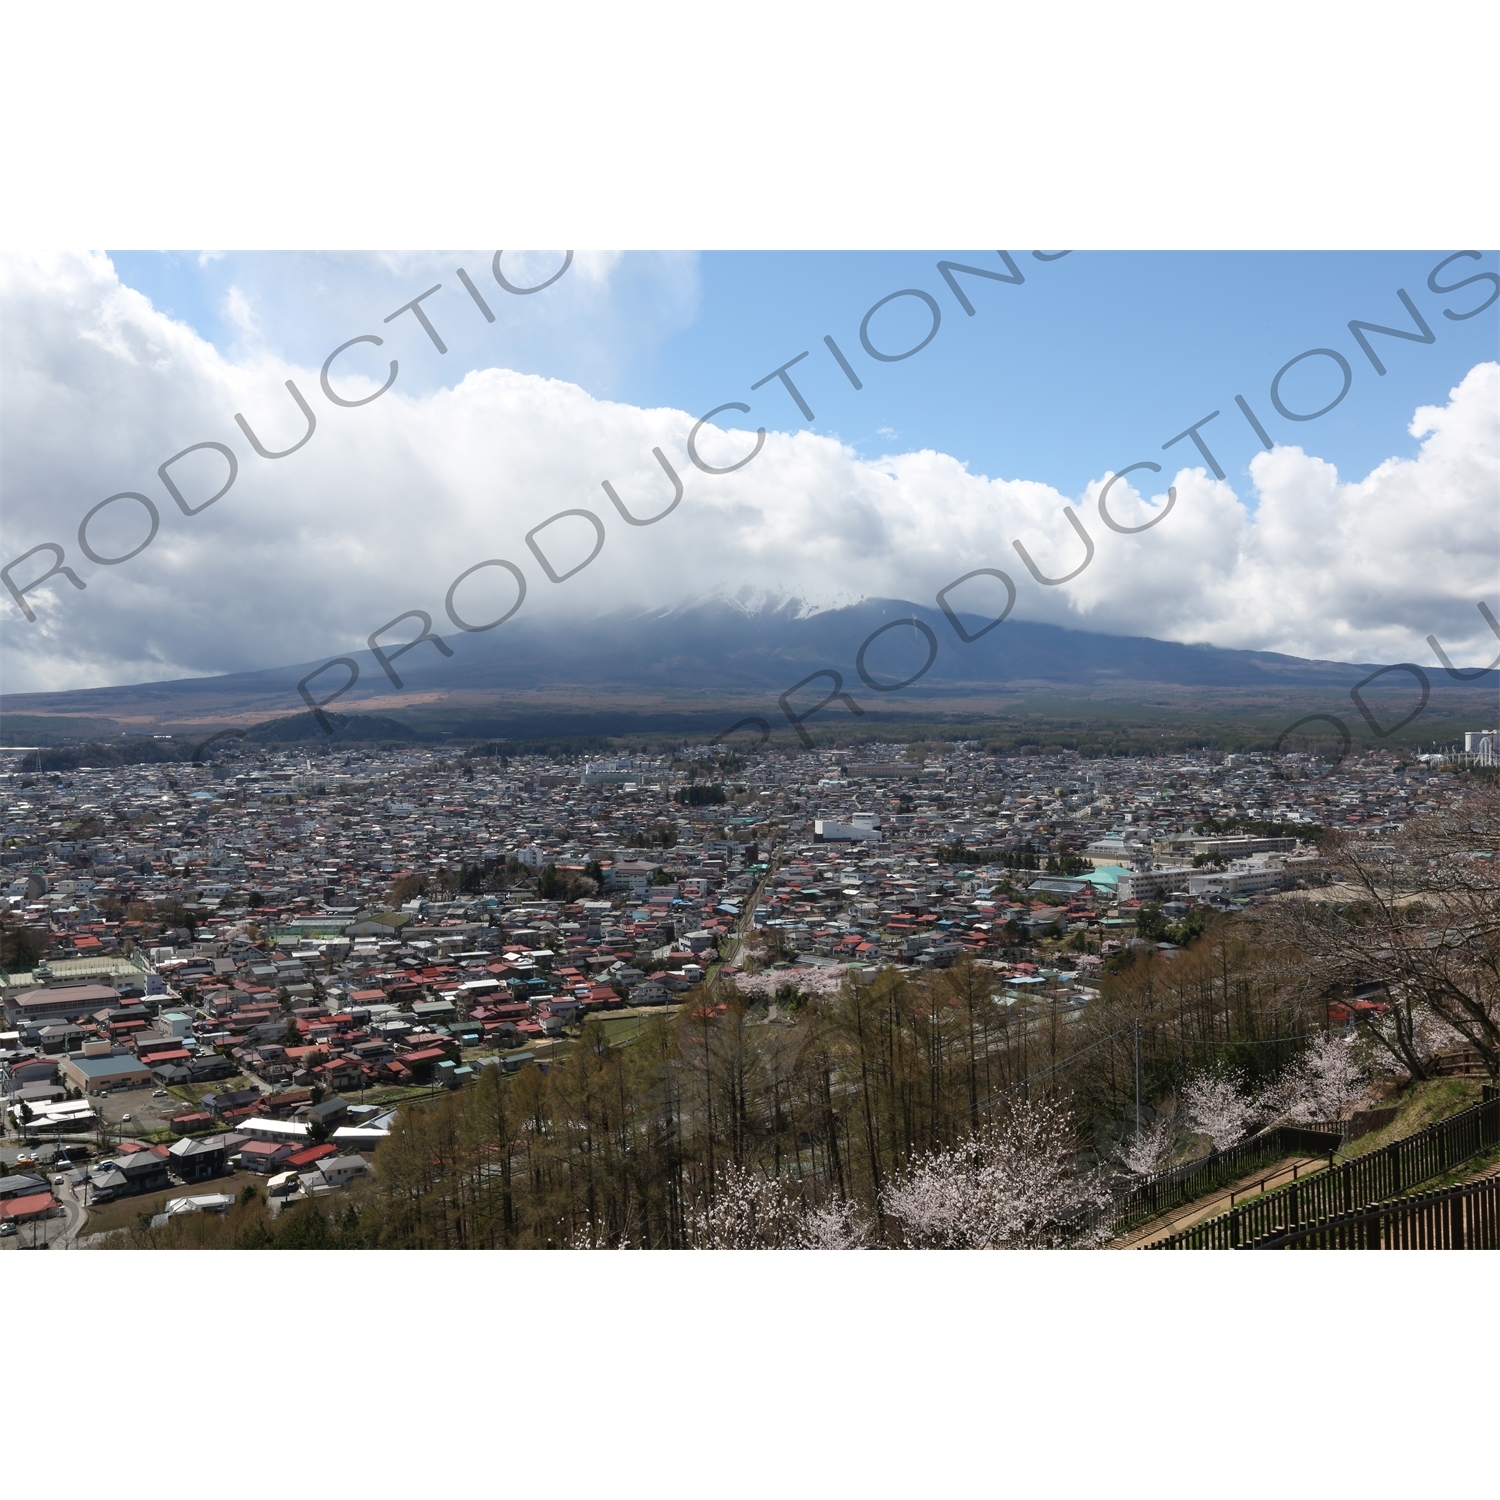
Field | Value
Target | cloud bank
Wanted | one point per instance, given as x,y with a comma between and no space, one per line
387,503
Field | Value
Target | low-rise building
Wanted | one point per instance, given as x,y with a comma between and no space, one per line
60,1003
125,1176
193,1160
1243,878
340,1171
263,1156
22,1209
831,831
1153,885
22,1185
99,1075
289,1132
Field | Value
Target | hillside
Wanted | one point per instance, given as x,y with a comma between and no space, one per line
681,671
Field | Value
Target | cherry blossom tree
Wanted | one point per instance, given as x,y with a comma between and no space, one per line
1152,1149
835,1226
751,1212
1218,1107
1323,1083
1410,1037
825,980
1013,1185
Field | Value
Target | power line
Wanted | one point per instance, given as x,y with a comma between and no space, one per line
1047,1072
1109,1037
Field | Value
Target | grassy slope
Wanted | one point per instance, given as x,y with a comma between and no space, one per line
1422,1104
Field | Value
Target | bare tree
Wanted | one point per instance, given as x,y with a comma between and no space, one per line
1421,915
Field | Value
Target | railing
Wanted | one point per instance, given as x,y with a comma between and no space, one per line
1178,1185
1462,1218
1355,1185
1463,1062
1337,1128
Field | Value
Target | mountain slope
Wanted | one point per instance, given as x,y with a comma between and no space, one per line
724,654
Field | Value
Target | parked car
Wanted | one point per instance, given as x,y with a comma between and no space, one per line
9,1227
158,1093
124,1119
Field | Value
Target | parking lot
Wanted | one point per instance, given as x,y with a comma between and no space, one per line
146,1113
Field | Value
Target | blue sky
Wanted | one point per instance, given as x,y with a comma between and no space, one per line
1092,363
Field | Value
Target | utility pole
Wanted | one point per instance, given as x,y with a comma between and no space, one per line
1136,1035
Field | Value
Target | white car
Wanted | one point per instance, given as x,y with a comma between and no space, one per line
124,1119
158,1093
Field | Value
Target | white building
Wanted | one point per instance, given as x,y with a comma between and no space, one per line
1115,849
1152,885
633,875
60,1114
829,831
287,1132
336,1171
1244,877
609,773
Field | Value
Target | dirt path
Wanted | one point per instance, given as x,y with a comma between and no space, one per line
1275,1176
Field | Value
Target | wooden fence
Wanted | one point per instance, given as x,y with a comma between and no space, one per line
1461,1218
1163,1191
1361,1122
1462,1062
1353,1186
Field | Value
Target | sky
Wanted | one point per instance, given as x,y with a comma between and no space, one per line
1353,537
1052,380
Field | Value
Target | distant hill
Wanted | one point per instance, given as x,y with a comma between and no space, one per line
140,750
370,729
673,668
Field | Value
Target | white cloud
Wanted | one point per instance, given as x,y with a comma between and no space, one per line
237,310
388,503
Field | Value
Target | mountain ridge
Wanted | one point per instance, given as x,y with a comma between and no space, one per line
719,650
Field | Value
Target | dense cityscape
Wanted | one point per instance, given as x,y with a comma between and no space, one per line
248,965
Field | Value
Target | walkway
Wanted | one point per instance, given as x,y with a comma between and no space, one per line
1219,1201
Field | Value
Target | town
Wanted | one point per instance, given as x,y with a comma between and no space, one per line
235,973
